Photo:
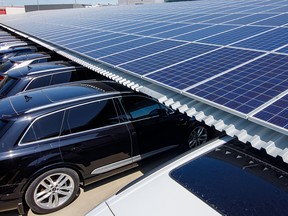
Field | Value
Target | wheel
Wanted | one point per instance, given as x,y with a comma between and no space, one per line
197,136
52,190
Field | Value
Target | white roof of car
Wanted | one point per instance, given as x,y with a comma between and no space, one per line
151,197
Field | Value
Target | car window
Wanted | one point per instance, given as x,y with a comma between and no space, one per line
6,66
60,78
39,82
97,114
44,127
138,107
7,84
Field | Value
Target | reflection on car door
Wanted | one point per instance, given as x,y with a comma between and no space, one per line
154,126
93,136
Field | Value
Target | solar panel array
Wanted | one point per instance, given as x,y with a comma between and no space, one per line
229,54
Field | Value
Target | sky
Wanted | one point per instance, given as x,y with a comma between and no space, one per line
34,2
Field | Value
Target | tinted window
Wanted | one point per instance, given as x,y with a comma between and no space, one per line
6,66
6,85
235,183
2,126
45,127
84,75
39,82
138,107
61,78
90,116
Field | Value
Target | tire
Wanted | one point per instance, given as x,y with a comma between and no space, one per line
197,135
53,190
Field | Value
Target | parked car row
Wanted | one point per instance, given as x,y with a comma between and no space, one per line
63,126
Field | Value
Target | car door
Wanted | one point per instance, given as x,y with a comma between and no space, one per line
155,125
93,138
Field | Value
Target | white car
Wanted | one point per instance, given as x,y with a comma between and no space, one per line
223,177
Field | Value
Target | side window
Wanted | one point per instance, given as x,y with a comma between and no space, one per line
39,82
84,75
44,127
61,78
138,107
90,116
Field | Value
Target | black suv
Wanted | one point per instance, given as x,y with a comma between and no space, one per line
56,138
44,74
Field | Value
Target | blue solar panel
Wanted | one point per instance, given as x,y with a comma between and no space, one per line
249,86
225,18
136,53
106,43
276,113
199,69
267,41
120,47
274,21
204,18
77,39
180,31
196,35
234,35
283,50
142,28
250,19
162,29
90,40
163,59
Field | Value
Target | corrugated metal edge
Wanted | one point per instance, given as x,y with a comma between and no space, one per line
260,137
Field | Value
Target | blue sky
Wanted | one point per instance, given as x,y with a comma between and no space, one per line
32,2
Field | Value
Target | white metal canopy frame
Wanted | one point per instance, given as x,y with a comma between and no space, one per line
223,62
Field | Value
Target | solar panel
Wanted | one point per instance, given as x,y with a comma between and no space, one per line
166,58
268,41
250,19
202,33
196,70
140,52
276,113
248,87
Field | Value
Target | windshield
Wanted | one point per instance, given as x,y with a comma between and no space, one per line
6,85
6,66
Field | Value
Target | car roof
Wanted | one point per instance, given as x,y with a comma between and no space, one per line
222,177
50,96
16,49
29,56
39,68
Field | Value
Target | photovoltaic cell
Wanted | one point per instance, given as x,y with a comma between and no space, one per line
91,40
250,19
199,69
120,47
268,41
283,50
106,43
249,86
162,29
274,21
276,113
140,52
196,35
234,35
163,59
225,18
180,31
